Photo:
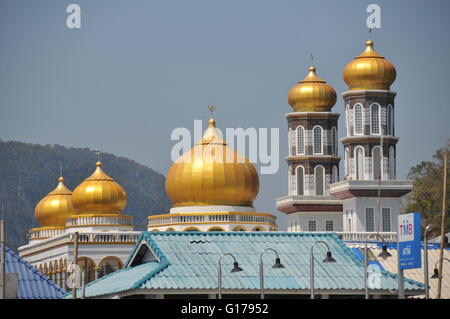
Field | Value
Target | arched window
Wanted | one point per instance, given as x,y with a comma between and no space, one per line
258,228
319,180
292,181
108,265
346,162
334,174
300,173
376,162
87,267
347,119
334,143
390,120
292,148
300,140
317,132
215,228
359,158
391,163
358,118
375,118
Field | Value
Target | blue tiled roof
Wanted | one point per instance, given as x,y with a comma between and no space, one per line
32,283
360,255
429,245
188,260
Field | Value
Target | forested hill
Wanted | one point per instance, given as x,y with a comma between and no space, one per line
29,171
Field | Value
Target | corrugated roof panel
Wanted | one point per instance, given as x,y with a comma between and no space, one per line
190,260
32,284
390,264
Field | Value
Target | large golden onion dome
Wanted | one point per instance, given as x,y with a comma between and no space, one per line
369,71
211,174
55,207
100,194
312,94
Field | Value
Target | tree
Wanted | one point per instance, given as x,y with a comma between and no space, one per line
426,196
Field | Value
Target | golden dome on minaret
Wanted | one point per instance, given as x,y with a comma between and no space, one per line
369,71
312,94
55,207
100,194
212,174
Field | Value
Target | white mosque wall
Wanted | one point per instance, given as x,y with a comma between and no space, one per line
357,212
304,221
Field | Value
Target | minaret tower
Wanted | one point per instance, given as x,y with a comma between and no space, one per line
369,114
370,190
313,161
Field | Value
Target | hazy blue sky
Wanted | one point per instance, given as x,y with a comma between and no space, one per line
138,69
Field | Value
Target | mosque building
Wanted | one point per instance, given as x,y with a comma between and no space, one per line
212,188
369,197
93,210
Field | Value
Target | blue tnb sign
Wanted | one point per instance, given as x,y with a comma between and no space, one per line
409,244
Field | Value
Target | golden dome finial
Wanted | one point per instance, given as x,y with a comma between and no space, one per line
61,173
369,71
211,123
312,94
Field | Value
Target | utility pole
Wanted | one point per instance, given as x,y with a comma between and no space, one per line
75,261
2,261
400,276
425,262
83,285
444,213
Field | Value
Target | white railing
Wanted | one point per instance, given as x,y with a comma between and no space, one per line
236,217
107,238
45,233
98,221
362,236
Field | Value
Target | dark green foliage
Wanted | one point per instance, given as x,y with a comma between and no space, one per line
426,196
29,171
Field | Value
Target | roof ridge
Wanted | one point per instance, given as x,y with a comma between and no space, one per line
248,233
164,262
96,280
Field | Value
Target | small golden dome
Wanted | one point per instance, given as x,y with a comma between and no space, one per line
55,207
212,174
99,193
369,71
312,94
